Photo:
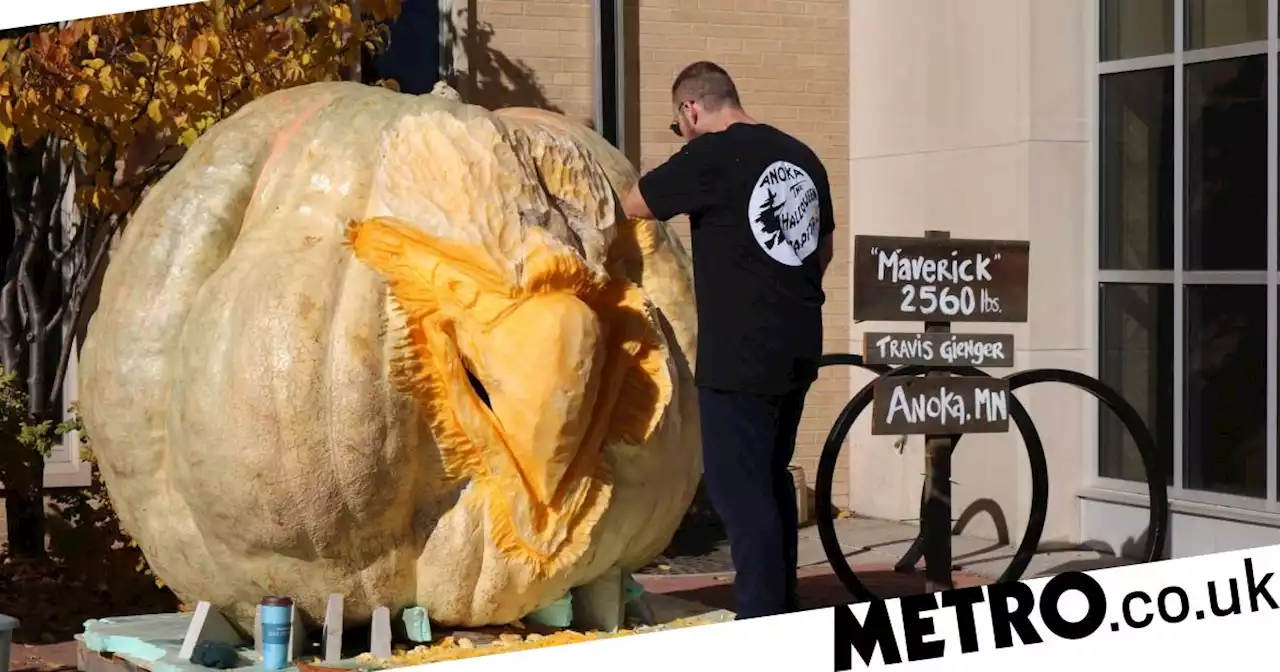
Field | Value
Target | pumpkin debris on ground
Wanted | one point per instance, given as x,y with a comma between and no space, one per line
457,648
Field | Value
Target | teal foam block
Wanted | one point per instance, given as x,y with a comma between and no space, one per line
152,642
143,638
558,614
633,589
416,625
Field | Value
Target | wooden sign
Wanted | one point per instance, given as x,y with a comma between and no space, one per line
938,349
940,405
940,280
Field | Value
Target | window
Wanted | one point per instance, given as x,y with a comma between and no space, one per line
417,53
1188,244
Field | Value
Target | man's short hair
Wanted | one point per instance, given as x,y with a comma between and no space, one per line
706,83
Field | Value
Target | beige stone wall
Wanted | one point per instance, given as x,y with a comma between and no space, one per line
973,117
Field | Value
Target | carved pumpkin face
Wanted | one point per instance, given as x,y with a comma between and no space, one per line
398,348
568,360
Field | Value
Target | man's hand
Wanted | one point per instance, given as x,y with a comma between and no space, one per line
634,207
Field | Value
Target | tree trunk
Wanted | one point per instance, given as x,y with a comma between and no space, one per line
31,310
24,510
355,71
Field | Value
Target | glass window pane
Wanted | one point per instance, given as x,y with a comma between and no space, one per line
1225,383
1137,360
412,54
1226,173
1136,187
1133,28
1214,23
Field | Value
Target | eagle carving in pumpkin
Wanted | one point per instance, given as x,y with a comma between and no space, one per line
395,347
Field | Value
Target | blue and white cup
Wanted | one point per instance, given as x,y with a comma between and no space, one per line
277,623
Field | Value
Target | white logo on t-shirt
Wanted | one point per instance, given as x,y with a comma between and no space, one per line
784,213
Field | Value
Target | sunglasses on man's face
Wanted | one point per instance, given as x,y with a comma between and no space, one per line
675,125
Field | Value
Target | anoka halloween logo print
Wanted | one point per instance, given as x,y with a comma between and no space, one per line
784,213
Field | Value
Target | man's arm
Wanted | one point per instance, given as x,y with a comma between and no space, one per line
633,205
826,250
826,229
680,186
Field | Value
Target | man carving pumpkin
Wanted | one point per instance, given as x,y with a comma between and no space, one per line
759,206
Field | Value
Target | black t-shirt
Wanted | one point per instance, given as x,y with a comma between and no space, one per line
759,203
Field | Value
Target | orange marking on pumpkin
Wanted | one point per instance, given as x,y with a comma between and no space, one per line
281,138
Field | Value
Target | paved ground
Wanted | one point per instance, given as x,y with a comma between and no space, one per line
818,586
869,541
872,547
43,657
876,542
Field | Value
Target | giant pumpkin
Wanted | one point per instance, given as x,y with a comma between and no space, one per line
395,347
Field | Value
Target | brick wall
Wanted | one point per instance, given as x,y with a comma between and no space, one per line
535,53
790,59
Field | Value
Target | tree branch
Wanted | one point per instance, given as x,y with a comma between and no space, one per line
29,302
55,318
83,281
35,333
53,233
12,312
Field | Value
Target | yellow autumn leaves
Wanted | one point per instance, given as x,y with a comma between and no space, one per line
128,92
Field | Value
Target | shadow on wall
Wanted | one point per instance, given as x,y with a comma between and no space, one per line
1130,553
999,523
491,79
1132,548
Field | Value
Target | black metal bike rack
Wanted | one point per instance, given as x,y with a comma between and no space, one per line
1157,532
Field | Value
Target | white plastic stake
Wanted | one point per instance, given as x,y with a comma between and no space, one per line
207,625
380,634
333,629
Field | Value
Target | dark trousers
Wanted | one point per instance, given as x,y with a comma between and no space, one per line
747,444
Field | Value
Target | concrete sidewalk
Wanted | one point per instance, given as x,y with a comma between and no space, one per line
872,548
874,542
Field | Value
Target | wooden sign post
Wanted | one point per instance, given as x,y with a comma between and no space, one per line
938,280
935,510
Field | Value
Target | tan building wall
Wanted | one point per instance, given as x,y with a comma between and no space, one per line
791,62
